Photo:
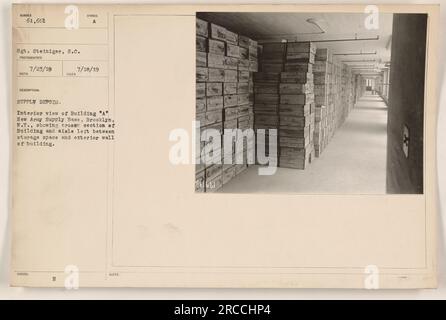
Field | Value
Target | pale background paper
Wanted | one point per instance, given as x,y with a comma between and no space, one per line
183,293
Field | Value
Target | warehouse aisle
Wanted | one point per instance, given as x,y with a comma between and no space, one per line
353,162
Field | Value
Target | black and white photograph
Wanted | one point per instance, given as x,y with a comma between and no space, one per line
316,103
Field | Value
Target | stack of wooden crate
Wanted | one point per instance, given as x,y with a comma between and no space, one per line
345,93
343,104
296,110
225,62
322,71
339,106
340,99
349,87
331,97
320,129
266,95
301,92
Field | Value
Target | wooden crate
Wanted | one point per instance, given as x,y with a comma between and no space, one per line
297,153
295,110
216,46
266,108
217,32
243,65
266,87
253,52
272,67
230,124
295,121
201,27
301,47
243,76
296,77
201,74
214,89
266,121
298,67
267,77
323,54
243,41
300,57
216,75
230,100
231,76
201,44
243,53
253,66
231,37
297,132
243,99
200,105
230,87
200,89
233,51
295,88
214,103
293,142
201,59
242,87
230,63
268,98
322,66
216,60
272,49
231,113
296,98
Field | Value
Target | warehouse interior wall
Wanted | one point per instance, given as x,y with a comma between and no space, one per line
406,104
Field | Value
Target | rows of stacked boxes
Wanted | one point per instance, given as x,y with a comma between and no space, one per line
296,109
334,85
225,62
294,88
284,101
379,84
360,87
328,81
337,87
267,98
343,92
351,89
323,128
346,92
350,85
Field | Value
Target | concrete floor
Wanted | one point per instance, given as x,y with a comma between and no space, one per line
353,162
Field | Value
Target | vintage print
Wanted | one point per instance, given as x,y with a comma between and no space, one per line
226,146
310,102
